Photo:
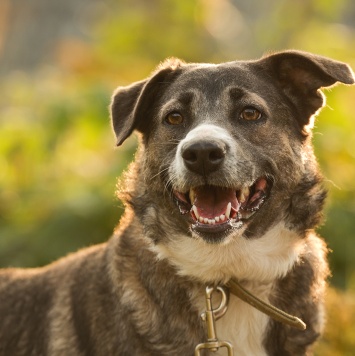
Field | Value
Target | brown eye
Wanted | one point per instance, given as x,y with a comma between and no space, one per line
174,118
250,114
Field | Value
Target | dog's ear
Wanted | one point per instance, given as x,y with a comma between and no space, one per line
131,105
302,74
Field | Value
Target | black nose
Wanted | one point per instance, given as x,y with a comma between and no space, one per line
203,157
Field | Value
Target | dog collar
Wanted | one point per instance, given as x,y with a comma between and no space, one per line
211,315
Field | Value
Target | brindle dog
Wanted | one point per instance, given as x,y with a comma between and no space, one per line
225,185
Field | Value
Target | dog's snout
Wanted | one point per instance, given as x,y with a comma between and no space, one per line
203,157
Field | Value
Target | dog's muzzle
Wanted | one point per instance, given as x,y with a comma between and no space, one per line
214,209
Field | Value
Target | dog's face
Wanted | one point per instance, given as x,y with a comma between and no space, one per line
227,149
235,144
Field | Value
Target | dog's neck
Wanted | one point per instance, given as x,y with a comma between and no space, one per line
262,260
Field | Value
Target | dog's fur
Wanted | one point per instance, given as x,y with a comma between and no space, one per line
202,127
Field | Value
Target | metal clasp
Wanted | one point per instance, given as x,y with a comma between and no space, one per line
209,317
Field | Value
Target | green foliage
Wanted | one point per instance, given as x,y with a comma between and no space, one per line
58,168
333,138
339,336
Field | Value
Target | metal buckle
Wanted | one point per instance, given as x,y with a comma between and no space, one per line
209,317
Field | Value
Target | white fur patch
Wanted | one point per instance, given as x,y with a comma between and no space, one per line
244,326
260,259
206,130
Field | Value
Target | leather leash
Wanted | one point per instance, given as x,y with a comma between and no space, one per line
266,308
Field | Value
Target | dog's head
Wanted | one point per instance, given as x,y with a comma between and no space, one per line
230,143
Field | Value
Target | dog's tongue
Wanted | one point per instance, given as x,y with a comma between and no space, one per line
212,201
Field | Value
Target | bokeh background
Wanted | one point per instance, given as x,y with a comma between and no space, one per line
60,62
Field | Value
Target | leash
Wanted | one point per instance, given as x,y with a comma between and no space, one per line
211,315
266,308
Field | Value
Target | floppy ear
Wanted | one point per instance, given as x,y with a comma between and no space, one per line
302,74
129,103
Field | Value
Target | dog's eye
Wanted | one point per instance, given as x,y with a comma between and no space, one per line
174,118
250,114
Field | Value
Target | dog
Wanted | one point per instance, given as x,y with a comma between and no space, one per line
225,185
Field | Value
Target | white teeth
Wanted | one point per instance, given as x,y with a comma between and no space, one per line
228,210
216,219
194,209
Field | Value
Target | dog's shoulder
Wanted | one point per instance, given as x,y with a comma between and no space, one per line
29,297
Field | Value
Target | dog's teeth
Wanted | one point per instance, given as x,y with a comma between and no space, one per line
200,219
222,217
205,220
217,218
211,221
194,209
228,210
244,193
192,196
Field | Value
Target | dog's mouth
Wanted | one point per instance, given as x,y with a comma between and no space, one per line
215,210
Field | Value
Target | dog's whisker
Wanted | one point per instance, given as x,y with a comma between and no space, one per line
159,173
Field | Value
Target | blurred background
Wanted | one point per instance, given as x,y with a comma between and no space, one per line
60,62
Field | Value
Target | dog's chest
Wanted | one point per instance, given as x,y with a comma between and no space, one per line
243,326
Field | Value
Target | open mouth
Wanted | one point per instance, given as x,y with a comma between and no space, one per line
215,209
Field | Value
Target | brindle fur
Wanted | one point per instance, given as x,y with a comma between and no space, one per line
118,298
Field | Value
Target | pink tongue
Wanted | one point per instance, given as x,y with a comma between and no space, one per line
212,201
